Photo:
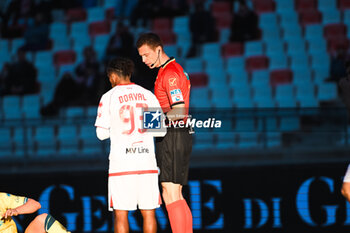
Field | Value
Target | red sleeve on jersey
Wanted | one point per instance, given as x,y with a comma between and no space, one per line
172,85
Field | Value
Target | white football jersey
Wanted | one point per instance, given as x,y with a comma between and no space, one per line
347,175
120,110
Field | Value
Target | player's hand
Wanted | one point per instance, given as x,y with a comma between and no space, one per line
10,213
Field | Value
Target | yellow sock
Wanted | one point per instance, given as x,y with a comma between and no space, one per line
53,226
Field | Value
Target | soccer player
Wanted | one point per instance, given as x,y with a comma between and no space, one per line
133,173
11,205
172,89
346,185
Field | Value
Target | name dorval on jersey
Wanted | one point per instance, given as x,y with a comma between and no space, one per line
132,97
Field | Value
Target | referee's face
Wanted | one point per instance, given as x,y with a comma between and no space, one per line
149,56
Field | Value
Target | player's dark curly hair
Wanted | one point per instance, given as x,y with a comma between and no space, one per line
151,39
123,67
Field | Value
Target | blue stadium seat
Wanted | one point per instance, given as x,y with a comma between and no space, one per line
296,46
288,17
302,76
100,45
171,50
269,34
218,79
331,16
16,44
95,14
299,62
246,124
68,139
284,7
61,43
74,112
325,5
305,95
253,48
224,36
194,65
248,140
262,97
327,91
278,61
200,97
285,96
203,141
12,108
238,80
31,106
289,123
260,78
221,98
211,50
313,31
214,65
58,30
320,61
90,142
320,74
235,63
225,140
45,141
242,97
274,139
79,31
268,20
315,46
346,16
293,31
276,47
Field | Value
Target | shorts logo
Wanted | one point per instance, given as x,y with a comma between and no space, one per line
152,119
176,95
172,82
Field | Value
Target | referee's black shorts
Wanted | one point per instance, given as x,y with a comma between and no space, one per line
173,155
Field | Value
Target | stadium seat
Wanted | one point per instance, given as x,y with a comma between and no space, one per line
305,5
278,77
324,5
75,112
200,97
256,63
245,124
99,28
289,18
232,49
198,79
344,4
90,143
223,21
181,24
58,29
293,31
285,6
11,107
275,48
302,76
31,106
320,61
305,95
220,7
267,123
299,62
253,48
289,123
214,65
310,17
194,65
248,140
225,140
6,144
313,31
315,46
79,31
269,34
220,98
260,79
62,43
76,14
262,97
242,97
16,44
45,140
278,61
285,96
211,51
334,30
171,50
331,16
95,14
320,74
100,45
268,20
261,7
238,80
336,43
162,24
203,141
64,57
296,46
68,139
23,141
224,36
274,139
327,91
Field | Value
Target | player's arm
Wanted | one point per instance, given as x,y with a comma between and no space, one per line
102,133
346,190
30,206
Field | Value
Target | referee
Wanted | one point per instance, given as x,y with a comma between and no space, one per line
172,89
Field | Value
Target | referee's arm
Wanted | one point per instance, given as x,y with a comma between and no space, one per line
177,112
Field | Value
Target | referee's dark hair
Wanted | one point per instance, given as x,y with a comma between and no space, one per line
151,39
123,67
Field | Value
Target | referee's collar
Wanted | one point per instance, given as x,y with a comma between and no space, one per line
167,62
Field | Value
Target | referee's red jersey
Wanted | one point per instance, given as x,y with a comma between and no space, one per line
172,86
